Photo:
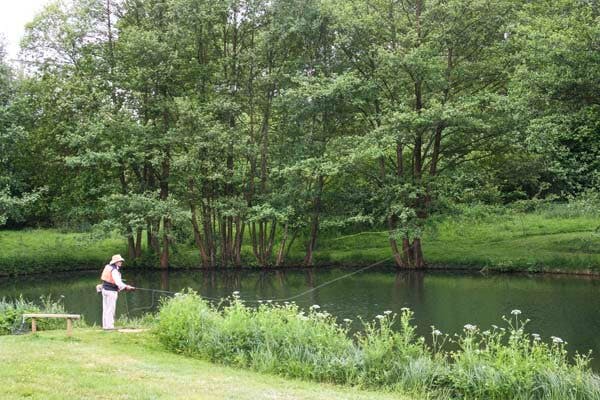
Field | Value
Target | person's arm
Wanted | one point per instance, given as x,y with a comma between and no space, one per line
116,275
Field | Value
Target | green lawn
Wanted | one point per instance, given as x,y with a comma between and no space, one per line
43,250
515,241
99,365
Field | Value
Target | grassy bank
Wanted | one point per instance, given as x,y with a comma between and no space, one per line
98,365
555,237
507,241
498,363
44,250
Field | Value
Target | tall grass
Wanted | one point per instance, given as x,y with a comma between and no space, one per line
12,310
499,363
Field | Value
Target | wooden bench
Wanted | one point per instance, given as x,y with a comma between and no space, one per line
68,317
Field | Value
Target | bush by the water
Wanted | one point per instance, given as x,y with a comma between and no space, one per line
500,363
12,310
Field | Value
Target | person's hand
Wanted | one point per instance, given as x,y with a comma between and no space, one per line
129,287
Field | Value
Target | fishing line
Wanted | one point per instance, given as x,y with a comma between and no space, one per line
126,305
323,284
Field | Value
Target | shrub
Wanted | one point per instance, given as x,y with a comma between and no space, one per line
11,314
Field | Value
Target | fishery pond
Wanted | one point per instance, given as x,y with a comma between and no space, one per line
563,306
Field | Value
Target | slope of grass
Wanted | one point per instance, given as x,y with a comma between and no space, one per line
42,250
98,365
552,239
563,237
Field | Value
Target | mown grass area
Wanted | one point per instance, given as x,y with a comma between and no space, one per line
556,237
560,238
44,250
102,365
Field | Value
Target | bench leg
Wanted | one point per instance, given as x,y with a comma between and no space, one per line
69,326
33,327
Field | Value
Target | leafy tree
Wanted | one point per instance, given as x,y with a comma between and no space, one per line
557,84
18,191
434,77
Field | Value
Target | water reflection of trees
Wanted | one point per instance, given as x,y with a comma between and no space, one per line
164,280
408,285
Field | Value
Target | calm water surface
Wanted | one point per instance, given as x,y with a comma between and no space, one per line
562,306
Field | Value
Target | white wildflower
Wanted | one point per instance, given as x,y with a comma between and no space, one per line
236,293
315,307
379,316
556,340
536,336
387,312
436,332
486,333
515,312
347,320
470,327
405,309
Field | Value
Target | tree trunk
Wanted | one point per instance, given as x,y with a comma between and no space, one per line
280,253
239,238
254,239
164,194
164,256
130,244
154,242
138,243
198,237
418,261
270,241
289,246
314,225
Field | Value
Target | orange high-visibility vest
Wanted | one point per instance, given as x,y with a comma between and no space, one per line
107,274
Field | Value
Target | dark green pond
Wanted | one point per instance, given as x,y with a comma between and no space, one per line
563,306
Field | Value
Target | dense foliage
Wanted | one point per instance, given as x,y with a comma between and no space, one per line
499,363
262,123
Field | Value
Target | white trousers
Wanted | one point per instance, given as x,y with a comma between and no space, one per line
109,306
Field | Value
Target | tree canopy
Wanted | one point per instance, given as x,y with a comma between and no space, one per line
258,122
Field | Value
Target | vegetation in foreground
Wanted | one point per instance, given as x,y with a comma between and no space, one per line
12,310
532,237
499,363
98,365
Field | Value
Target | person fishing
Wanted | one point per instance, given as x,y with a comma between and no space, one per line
112,284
